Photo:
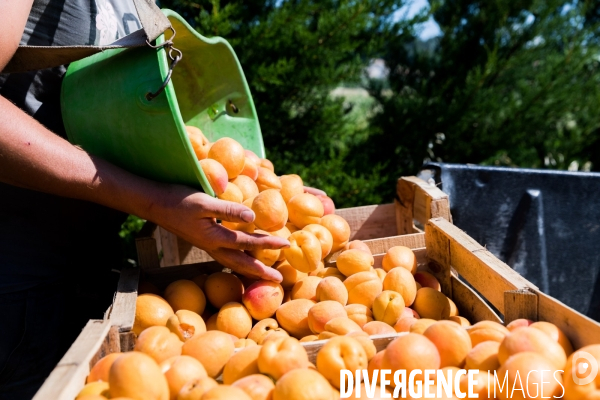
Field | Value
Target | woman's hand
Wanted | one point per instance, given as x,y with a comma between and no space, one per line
192,216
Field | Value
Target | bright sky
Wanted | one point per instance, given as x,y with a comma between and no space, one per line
430,28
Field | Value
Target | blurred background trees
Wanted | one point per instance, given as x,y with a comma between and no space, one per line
507,82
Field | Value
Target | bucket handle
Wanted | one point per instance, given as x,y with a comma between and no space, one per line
167,44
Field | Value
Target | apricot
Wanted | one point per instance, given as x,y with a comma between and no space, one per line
94,390
186,324
99,371
331,288
216,175
234,318
328,204
309,338
232,193
378,328
358,245
485,334
489,325
366,343
159,343
339,326
323,312
353,261
250,169
585,388
200,280
528,372
257,386
452,341
213,349
283,233
409,312
150,310
404,324
293,317
252,155
280,356
324,237
518,323
266,163
270,210
340,353
239,226
211,323
243,343
331,271
484,356
195,389
388,306
241,364
420,325
262,299
225,392
199,142
556,334
381,274
320,269
363,288
359,313
274,335
222,288
429,303
462,321
138,376
532,340
267,180
304,252
230,154
290,274
303,384
399,256
179,370
306,288
293,228
339,228
375,364
291,185
185,295
266,256
247,186
354,395
305,209
426,279
409,352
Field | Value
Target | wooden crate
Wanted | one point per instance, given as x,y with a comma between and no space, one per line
416,200
448,252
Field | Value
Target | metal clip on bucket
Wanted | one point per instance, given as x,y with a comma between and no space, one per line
112,108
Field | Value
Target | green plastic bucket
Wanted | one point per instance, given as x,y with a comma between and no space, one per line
106,111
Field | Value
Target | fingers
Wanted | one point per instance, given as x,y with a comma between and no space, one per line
226,210
248,266
315,191
223,237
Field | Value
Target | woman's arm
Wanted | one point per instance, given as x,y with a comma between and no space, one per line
34,158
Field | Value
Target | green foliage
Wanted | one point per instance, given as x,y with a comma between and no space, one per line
129,228
512,83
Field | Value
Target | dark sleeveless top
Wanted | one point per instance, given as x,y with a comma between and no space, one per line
46,238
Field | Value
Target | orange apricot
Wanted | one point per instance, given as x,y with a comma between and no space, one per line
213,349
290,274
484,356
353,261
257,386
324,237
138,376
452,341
247,186
399,256
179,370
186,324
293,317
185,295
230,154
216,175
340,353
410,352
195,389
363,288
234,318
425,279
200,143
99,371
270,210
222,288
429,303
388,307
378,328
281,355
323,312
250,169
556,334
267,180
303,384
532,340
291,185
339,228
159,343
150,310
331,288
241,364
305,209
306,288
304,252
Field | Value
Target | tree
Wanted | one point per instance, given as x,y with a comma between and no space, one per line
509,83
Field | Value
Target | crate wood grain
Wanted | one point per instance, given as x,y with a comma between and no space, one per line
416,200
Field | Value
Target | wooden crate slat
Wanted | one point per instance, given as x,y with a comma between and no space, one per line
368,222
470,304
67,379
520,303
122,312
581,330
412,241
420,201
451,247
